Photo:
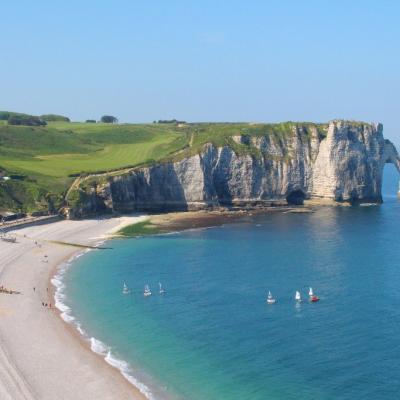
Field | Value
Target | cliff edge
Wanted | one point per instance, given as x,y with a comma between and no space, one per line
345,164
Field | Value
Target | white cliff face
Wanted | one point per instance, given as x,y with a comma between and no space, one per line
350,162
346,165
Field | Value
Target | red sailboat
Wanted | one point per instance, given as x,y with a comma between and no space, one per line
313,297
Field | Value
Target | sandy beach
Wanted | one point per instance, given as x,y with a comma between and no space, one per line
41,356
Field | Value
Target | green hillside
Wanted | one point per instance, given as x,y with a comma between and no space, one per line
44,161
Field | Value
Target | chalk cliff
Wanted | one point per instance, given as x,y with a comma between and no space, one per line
344,164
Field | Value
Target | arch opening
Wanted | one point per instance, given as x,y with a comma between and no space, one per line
390,181
296,197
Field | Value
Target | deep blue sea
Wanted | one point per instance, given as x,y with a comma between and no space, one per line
212,335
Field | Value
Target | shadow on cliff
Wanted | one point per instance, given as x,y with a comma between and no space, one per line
158,189
221,176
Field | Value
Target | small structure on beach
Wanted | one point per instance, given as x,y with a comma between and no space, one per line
6,216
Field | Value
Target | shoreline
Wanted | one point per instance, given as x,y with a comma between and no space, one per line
178,221
39,357
34,363
32,336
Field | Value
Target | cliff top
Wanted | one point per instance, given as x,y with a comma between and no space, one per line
43,161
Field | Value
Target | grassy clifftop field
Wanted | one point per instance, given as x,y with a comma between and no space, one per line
43,161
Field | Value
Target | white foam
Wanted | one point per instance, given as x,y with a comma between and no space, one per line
67,318
59,295
80,329
61,306
57,282
98,347
126,372
115,362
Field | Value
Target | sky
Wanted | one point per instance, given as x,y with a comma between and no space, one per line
208,60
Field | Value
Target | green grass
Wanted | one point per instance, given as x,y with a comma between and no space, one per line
139,229
49,158
108,157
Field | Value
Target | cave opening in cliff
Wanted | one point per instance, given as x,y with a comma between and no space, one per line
296,197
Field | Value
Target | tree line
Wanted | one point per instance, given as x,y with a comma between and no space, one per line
14,118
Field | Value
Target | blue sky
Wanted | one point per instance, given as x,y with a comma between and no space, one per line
203,60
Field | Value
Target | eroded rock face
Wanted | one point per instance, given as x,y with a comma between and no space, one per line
350,161
346,165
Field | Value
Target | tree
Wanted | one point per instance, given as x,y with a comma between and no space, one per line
170,121
90,121
109,119
54,118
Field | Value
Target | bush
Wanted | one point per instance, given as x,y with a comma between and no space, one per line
90,121
109,119
6,115
170,121
54,117
27,120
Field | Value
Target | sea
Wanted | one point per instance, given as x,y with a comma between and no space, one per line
212,335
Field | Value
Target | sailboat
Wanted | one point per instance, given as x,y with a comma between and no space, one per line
162,290
297,296
147,291
313,297
270,299
125,289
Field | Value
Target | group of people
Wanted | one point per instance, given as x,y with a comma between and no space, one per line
8,291
47,305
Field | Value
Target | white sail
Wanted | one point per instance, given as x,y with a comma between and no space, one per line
311,293
147,291
161,288
270,299
125,289
298,296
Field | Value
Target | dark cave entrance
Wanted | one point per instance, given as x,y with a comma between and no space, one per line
296,198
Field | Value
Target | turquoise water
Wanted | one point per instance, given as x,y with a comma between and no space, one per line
212,336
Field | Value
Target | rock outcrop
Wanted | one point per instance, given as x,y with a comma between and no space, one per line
345,164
